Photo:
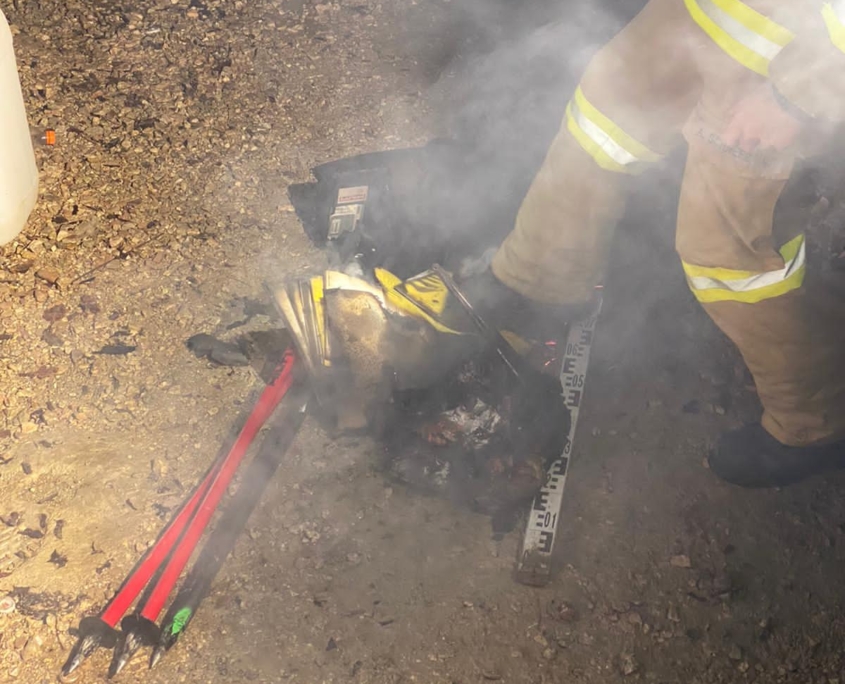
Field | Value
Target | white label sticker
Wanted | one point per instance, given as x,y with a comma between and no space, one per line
356,195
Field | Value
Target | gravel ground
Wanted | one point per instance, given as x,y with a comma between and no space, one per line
163,208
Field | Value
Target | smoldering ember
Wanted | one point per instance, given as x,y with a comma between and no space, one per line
442,342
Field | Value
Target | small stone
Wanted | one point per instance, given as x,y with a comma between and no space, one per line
735,652
7,605
627,664
548,653
563,611
51,338
672,614
28,427
680,561
158,469
586,639
88,304
54,313
50,275
33,646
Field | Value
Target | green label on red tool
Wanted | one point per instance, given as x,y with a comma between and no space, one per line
180,620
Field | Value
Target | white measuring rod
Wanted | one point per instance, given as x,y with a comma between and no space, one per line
534,565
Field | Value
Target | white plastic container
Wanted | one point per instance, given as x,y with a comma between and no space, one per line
18,173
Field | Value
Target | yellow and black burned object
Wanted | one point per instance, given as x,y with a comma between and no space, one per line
424,297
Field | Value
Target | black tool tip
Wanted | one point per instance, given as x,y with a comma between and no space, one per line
156,655
137,632
93,633
118,663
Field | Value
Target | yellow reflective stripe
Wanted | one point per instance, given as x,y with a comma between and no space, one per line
732,47
756,22
747,36
609,146
632,146
835,27
723,284
694,271
791,283
590,146
789,251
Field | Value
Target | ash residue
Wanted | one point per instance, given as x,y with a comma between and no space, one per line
39,604
482,439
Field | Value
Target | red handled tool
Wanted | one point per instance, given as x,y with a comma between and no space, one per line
171,551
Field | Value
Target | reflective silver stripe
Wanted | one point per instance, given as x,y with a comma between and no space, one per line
753,41
609,146
754,282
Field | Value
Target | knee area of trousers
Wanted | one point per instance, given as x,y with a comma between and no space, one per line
603,138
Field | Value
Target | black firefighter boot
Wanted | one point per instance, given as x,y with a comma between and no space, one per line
751,457
506,309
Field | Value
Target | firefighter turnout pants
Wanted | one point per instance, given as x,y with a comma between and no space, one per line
681,66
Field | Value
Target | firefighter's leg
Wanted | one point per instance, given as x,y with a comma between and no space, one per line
627,111
752,283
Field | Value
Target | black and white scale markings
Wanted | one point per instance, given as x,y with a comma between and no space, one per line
534,565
